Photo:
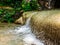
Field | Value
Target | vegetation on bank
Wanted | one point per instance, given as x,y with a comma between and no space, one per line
9,8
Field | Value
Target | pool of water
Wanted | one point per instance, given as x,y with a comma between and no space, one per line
6,35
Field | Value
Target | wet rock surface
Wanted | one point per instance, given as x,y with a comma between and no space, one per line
46,26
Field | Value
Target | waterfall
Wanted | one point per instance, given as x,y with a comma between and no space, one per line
25,27
27,36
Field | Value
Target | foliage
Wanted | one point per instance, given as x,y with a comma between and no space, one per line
6,15
12,3
29,5
26,5
17,5
34,4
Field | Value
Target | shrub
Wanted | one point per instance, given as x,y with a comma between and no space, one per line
6,15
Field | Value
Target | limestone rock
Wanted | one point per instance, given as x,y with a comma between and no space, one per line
21,20
46,25
23,17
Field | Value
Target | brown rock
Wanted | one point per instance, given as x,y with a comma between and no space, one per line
47,27
21,20
23,17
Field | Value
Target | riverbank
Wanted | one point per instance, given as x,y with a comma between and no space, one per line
7,26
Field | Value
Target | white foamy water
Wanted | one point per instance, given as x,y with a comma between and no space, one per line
30,39
25,33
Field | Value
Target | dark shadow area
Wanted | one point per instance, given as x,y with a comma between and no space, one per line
57,4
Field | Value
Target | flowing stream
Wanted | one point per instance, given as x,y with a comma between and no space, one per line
21,35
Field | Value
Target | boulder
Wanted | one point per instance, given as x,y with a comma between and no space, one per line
22,19
46,25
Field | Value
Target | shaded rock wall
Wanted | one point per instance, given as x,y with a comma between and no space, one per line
49,4
57,4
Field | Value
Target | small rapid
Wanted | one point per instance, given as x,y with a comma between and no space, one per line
24,34
28,37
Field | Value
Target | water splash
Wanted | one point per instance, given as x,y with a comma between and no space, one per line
24,32
28,37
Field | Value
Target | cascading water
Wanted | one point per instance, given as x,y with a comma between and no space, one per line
28,37
24,33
